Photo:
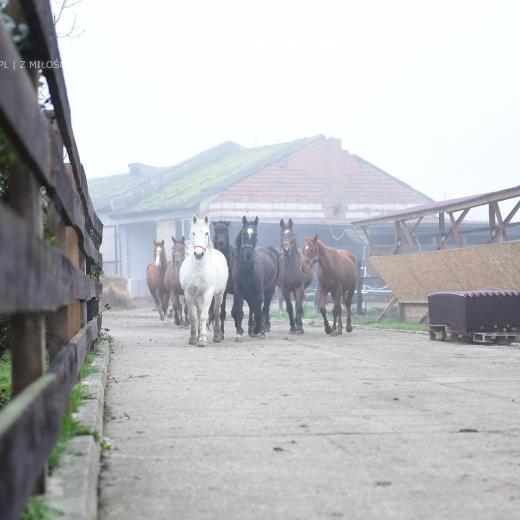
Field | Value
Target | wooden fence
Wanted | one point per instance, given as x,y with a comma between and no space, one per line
48,288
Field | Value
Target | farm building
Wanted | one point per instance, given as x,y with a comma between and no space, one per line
314,181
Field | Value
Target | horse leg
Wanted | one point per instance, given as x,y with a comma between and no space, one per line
186,314
223,313
175,308
300,297
238,315
218,332
193,320
268,297
158,303
203,318
250,321
258,319
288,305
349,294
336,312
323,309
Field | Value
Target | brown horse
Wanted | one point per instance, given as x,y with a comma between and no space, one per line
173,285
155,278
336,274
291,279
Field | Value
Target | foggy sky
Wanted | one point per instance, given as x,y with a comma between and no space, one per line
427,91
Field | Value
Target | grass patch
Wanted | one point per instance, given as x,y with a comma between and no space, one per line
37,509
397,325
5,379
71,427
309,313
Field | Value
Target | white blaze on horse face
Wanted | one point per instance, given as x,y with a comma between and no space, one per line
200,237
286,231
250,232
158,256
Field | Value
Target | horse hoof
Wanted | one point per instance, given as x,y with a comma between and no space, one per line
238,338
268,328
299,331
334,333
260,335
292,331
328,330
217,339
349,328
161,315
202,342
339,332
192,341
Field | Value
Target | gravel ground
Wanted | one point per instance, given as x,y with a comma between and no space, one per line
370,425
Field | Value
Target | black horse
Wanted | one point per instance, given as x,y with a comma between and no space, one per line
291,279
221,242
255,272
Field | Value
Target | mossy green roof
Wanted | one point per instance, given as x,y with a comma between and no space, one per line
211,177
189,189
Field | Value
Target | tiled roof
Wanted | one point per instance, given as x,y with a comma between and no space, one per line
311,178
344,185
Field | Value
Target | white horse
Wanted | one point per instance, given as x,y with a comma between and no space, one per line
203,276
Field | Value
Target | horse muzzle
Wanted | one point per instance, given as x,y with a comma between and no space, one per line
199,251
286,248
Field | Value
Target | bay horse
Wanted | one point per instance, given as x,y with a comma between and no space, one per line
222,243
336,274
292,280
155,278
203,276
173,284
255,272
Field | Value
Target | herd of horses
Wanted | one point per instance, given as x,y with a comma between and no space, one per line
207,267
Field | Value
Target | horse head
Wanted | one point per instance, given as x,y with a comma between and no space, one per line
247,239
178,251
159,254
200,236
221,234
287,238
310,253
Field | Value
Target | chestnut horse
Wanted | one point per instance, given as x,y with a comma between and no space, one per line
172,283
155,278
336,274
291,279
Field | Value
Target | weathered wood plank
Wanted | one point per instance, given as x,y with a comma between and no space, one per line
44,47
30,423
20,115
34,276
65,197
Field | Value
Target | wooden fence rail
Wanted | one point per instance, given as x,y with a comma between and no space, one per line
49,289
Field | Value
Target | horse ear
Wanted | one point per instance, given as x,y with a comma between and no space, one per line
256,221
155,243
173,240
206,219
244,221
161,242
282,223
194,219
315,239
290,223
183,240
